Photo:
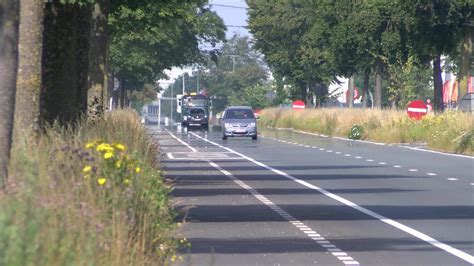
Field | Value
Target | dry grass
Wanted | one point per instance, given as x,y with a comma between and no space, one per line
50,214
451,131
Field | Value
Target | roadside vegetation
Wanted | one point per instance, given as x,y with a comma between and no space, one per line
90,193
450,131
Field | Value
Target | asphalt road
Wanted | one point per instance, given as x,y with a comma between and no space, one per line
296,199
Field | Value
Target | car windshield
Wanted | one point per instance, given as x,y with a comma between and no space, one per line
239,114
196,111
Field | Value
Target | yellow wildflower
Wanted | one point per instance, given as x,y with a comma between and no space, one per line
126,181
87,169
104,147
101,181
118,164
108,155
138,169
90,145
121,147
86,176
173,258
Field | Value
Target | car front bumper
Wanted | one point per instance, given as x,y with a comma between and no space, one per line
247,132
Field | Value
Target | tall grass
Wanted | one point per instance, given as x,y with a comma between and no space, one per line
451,131
66,204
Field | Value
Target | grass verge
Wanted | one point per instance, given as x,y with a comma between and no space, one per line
88,194
451,131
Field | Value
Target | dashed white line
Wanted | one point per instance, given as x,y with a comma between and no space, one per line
452,179
358,157
382,163
328,151
413,170
288,217
321,149
397,166
338,152
347,155
431,174
306,146
369,160
428,239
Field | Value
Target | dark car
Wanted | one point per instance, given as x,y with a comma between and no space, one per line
239,121
196,116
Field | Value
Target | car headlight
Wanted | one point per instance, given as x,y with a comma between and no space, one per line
227,125
252,124
185,117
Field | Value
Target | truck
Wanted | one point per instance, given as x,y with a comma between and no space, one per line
150,113
194,109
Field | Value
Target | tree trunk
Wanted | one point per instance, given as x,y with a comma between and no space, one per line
28,91
365,89
122,91
65,61
97,87
438,85
8,68
378,84
466,58
350,93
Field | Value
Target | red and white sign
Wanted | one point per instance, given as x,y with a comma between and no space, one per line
298,104
256,112
417,109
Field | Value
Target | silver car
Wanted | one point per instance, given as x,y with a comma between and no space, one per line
239,121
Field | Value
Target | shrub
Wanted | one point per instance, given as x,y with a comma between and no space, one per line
356,132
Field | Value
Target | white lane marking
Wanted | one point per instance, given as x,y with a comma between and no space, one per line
328,151
428,239
397,166
306,146
472,184
431,174
170,155
413,170
369,160
453,179
347,155
382,163
182,142
437,152
288,217
321,149
338,152
358,157
339,253
301,145
314,147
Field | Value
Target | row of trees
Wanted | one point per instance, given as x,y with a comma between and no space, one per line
311,43
58,58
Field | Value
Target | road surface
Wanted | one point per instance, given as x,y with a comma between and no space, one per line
297,199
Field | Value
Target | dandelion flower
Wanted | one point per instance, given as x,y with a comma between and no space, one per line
87,169
101,181
118,164
126,181
173,258
138,169
119,146
108,155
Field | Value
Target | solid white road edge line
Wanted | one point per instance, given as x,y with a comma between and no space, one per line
430,240
182,142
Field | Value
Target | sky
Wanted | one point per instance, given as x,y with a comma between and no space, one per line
234,13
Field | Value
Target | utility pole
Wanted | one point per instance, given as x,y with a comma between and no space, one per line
184,86
172,96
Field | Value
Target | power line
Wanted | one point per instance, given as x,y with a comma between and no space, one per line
239,7
236,26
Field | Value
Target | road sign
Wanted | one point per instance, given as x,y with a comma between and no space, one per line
298,104
417,109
